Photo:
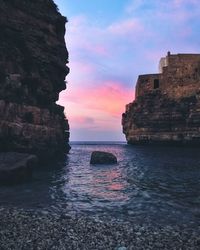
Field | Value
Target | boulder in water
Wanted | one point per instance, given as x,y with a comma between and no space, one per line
16,167
99,157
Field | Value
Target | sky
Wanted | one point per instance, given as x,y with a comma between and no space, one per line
111,42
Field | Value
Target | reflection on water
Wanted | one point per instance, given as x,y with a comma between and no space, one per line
100,182
148,184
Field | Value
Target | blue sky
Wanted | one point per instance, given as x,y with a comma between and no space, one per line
110,43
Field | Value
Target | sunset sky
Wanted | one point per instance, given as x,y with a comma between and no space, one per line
110,43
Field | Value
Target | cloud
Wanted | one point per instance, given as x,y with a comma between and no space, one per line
126,27
182,3
83,120
178,10
108,98
96,108
105,134
134,6
106,57
88,41
84,36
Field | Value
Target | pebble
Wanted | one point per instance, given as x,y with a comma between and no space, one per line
21,229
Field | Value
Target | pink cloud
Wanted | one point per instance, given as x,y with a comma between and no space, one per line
100,50
128,26
83,119
85,36
98,41
180,3
78,121
122,49
109,97
82,67
134,5
96,107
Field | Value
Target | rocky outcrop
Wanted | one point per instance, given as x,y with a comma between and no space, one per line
100,157
162,114
16,167
33,59
154,118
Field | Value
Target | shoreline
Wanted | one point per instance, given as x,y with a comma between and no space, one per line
21,229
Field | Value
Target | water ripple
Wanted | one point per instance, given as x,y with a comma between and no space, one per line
158,184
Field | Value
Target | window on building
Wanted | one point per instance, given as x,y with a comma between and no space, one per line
156,84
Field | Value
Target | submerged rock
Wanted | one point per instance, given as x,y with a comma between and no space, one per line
16,167
99,157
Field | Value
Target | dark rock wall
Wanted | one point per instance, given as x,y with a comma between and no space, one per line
155,118
33,59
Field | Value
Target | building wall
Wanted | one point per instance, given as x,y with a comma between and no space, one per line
163,63
145,83
179,77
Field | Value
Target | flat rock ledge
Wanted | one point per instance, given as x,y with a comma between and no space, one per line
100,157
16,167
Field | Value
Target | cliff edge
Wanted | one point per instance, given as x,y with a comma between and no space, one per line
33,59
167,105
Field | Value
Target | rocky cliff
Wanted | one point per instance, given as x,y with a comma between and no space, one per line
33,59
167,105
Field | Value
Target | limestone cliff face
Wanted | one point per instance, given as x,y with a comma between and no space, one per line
167,105
33,59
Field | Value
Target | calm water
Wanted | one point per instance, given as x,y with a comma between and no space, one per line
149,184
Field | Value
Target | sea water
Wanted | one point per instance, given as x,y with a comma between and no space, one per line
149,184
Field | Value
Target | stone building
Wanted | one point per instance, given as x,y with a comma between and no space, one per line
179,76
167,104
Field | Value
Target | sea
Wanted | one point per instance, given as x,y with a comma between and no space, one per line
149,184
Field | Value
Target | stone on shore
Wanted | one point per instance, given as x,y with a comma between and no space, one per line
16,167
99,157
21,229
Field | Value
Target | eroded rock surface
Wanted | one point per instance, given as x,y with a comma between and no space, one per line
16,167
33,59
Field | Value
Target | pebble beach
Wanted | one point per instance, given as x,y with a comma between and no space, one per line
20,229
